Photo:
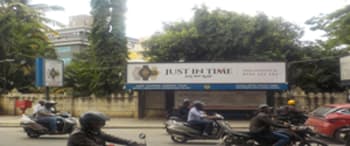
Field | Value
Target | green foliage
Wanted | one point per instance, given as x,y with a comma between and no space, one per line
101,69
337,28
336,25
23,37
221,35
318,69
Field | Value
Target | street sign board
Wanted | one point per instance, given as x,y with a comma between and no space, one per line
345,70
49,72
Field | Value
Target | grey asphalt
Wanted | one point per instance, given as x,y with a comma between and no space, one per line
155,137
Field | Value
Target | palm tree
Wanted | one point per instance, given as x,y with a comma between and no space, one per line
40,9
23,37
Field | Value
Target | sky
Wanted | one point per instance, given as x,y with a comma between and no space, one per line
145,17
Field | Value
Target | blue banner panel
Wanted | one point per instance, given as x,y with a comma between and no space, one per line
39,72
199,87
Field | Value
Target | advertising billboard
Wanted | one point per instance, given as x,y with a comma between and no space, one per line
345,70
210,76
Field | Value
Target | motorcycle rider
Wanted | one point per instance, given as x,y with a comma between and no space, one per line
184,109
197,116
260,127
290,113
45,116
38,106
90,133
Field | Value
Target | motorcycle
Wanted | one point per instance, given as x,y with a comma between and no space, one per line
181,132
298,119
171,120
299,135
65,125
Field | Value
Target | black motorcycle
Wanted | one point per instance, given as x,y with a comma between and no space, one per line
65,125
181,132
299,136
295,119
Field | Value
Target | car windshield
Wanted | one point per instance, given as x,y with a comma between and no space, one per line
323,111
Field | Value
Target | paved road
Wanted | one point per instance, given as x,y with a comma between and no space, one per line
155,137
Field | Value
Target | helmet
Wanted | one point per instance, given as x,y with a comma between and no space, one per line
262,106
291,102
50,103
93,121
186,100
198,102
42,102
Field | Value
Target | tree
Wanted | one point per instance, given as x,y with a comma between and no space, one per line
221,35
107,56
23,37
337,28
336,25
317,70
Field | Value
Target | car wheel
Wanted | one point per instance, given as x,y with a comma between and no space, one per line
341,135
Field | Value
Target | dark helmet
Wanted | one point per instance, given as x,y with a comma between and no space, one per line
93,121
42,102
186,102
264,108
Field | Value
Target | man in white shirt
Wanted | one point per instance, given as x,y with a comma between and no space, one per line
38,106
46,116
197,116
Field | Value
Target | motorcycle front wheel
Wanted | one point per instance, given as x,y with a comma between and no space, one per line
179,139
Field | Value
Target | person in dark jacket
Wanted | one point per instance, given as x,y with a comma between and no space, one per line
90,133
261,124
289,113
184,109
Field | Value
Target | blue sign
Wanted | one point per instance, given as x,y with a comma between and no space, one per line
200,87
39,72
48,72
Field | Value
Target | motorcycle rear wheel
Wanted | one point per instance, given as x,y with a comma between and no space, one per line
33,135
312,143
179,139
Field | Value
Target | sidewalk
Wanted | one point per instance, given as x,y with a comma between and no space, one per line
13,121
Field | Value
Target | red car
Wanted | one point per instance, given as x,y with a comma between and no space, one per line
331,121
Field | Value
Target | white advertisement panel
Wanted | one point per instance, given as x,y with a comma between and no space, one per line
345,68
206,73
53,73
